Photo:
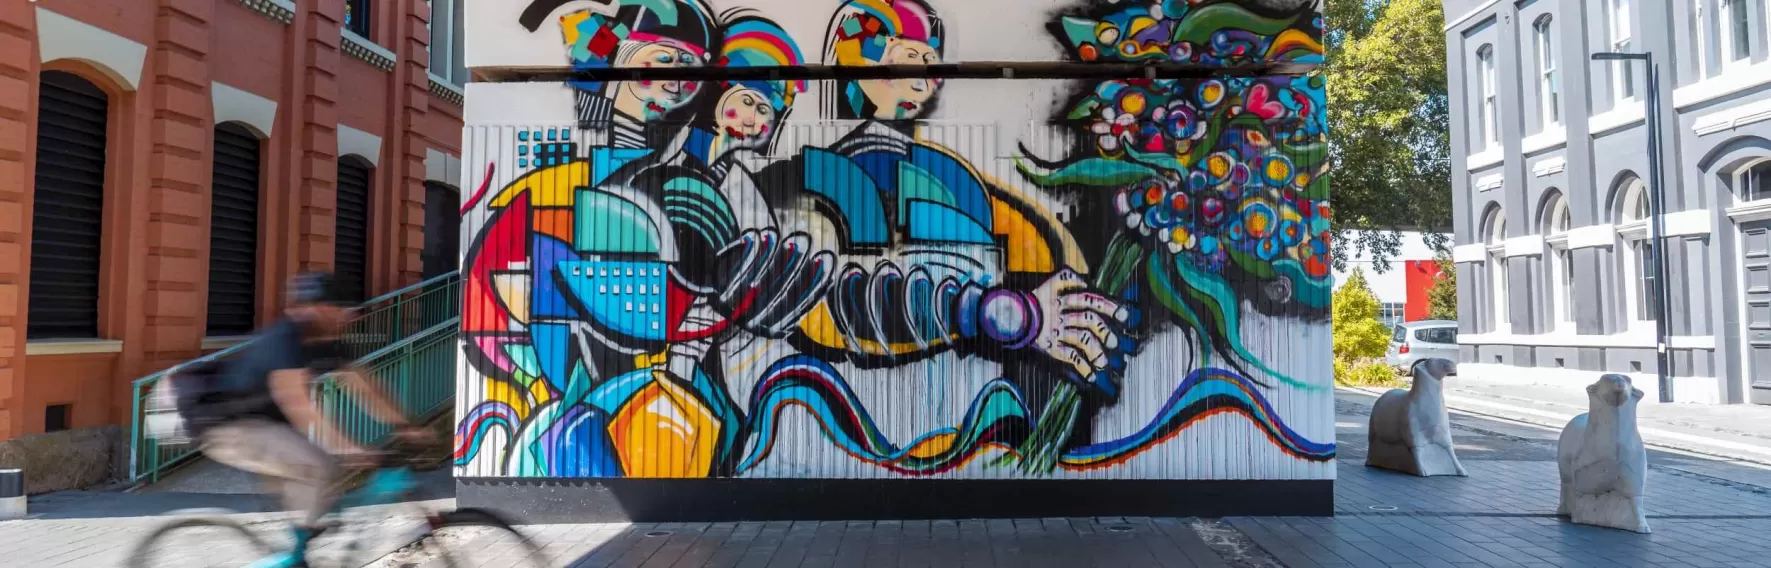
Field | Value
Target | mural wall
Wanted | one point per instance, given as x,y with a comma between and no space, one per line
896,278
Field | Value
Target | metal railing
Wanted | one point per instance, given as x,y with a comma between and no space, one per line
406,338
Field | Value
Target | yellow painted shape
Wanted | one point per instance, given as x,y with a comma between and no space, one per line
1026,250
664,431
509,393
513,290
547,187
933,446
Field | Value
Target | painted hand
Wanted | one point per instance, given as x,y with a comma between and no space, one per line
1074,325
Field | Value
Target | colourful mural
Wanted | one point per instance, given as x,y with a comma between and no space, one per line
667,287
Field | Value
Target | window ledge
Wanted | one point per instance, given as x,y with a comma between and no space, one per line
1476,252
1634,230
1751,211
72,346
1484,159
1617,119
1554,136
1592,236
1627,339
281,11
224,341
1550,167
1733,118
443,89
1733,79
361,48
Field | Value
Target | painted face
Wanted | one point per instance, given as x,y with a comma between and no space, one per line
745,116
903,98
660,97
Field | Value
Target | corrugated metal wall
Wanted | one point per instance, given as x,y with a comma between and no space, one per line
1013,279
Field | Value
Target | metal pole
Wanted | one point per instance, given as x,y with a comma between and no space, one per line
1657,239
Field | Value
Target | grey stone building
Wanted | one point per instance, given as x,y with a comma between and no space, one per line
1550,153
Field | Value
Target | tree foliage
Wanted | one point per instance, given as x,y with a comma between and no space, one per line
1442,296
1389,124
1360,339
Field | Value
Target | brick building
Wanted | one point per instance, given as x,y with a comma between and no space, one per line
166,164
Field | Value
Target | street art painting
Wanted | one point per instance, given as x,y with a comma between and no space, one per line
777,278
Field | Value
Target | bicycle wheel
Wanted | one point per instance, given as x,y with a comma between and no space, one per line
199,541
466,538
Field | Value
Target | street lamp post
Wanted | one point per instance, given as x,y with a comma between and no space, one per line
1656,213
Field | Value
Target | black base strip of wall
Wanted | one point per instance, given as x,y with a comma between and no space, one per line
543,501
981,70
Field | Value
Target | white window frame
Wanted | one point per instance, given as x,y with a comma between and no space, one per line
450,71
1485,85
1623,74
1497,270
1632,228
1549,91
1742,179
1725,32
1557,221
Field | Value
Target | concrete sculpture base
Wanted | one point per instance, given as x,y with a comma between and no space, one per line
1603,465
1410,431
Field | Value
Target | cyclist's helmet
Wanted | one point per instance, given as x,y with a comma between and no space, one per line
317,288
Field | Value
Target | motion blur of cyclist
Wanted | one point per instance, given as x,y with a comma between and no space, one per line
273,377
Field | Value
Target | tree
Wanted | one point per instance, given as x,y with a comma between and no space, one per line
1389,124
1358,334
1442,296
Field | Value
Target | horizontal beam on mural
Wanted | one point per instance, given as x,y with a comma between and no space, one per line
1004,70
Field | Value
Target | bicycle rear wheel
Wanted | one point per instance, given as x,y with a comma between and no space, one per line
199,541
466,538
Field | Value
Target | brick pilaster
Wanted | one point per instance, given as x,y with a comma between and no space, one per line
18,99
317,196
179,169
411,102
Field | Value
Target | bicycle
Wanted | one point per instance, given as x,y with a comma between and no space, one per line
387,485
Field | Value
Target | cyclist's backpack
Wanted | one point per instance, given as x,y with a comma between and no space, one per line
186,401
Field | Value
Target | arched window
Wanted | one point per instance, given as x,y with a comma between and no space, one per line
1753,183
1639,272
1496,238
350,252
1549,91
1555,221
67,208
233,232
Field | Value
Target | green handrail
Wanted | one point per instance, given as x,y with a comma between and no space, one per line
419,322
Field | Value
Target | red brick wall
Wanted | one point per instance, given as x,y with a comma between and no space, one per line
157,201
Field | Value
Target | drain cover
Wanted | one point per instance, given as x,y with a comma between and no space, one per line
1382,507
655,534
1120,528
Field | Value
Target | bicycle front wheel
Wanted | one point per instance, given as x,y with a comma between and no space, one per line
199,541
467,538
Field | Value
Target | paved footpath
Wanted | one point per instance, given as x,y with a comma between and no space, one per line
1705,512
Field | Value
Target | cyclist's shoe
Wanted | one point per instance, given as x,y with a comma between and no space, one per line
285,559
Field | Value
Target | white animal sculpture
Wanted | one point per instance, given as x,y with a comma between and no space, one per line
1410,431
1604,467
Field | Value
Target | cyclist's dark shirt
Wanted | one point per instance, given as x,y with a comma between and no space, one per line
282,345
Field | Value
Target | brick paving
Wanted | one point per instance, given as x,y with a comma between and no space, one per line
1705,513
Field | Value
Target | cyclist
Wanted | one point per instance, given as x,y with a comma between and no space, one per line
269,385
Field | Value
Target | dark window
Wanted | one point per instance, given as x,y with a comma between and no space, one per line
356,17
1647,290
1756,182
1446,335
350,253
56,417
67,208
233,232
442,229
1401,335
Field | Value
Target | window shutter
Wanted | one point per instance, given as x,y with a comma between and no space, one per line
350,260
442,229
68,207
233,232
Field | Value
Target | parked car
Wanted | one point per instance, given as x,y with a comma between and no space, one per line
1417,341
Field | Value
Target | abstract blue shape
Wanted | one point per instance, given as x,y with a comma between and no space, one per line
627,298
546,301
959,181
930,221
855,196
583,449
553,350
